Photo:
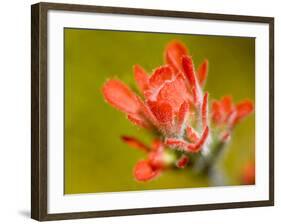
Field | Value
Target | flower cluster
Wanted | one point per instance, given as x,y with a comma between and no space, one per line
174,104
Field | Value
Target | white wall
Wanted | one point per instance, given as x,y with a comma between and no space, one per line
15,111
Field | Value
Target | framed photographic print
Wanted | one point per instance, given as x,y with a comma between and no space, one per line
138,111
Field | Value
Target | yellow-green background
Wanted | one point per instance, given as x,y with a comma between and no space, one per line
96,160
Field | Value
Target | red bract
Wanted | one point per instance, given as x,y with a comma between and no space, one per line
172,94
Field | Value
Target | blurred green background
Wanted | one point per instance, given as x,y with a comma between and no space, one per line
96,160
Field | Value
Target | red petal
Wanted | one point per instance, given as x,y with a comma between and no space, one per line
143,171
189,72
191,134
160,75
135,143
141,77
231,119
156,159
157,145
203,72
181,163
227,105
204,110
138,120
188,69
120,96
174,92
217,112
197,146
176,143
243,109
162,111
173,54
147,113
182,115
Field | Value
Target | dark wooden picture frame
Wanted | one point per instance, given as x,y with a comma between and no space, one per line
39,107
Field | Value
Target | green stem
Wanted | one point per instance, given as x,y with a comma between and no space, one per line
206,164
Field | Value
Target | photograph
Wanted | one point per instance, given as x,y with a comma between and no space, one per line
157,111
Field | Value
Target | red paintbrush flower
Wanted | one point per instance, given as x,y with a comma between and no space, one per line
157,159
175,104
172,94
155,162
226,114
